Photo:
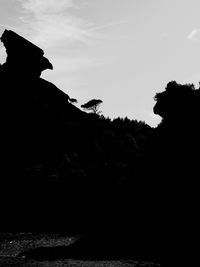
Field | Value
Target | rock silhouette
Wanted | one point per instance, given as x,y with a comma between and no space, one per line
55,157
22,53
33,108
65,169
130,188
34,113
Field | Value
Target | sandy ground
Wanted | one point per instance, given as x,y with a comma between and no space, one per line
6,262
12,244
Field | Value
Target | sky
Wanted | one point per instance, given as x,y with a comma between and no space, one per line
120,51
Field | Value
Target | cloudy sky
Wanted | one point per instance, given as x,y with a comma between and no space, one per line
120,51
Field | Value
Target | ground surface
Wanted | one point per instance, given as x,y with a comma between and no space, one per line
12,244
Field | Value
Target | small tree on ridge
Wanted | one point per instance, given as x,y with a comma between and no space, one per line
92,105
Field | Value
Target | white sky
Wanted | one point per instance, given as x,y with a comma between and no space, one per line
120,51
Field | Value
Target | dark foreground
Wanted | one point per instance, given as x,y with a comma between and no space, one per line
13,244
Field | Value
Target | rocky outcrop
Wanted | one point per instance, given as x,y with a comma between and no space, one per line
23,55
34,110
34,118
64,169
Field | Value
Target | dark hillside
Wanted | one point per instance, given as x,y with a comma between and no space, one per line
69,171
58,161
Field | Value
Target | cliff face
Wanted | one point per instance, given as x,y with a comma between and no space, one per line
34,119
34,110
61,168
23,57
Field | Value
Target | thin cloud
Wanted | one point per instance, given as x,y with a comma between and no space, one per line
63,65
3,26
194,35
51,23
110,25
46,6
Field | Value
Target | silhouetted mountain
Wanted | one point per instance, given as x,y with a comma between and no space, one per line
34,110
56,158
66,170
34,118
84,173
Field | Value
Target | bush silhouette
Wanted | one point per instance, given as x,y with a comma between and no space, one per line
174,150
92,105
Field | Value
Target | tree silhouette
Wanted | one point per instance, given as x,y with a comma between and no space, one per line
176,100
92,105
73,100
174,148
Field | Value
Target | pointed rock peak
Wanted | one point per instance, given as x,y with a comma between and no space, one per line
14,42
23,53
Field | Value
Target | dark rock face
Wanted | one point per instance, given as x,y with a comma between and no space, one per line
34,114
56,160
23,56
33,110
